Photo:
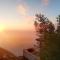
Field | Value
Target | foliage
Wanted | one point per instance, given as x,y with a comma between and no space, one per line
50,45
58,20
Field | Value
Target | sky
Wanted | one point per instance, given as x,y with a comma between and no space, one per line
20,14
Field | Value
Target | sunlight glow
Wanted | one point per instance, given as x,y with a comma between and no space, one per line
2,27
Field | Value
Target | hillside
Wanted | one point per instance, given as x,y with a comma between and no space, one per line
4,54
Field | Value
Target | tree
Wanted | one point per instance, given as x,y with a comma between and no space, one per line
48,38
58,20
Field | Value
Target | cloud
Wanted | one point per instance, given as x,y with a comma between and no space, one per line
45,2
21,9
30,18
27,23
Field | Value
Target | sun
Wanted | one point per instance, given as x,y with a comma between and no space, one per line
2,27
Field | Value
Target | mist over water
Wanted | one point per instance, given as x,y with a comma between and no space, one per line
16,41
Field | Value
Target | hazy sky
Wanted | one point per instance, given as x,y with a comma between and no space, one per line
19,14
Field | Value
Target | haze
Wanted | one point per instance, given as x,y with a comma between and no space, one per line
17,21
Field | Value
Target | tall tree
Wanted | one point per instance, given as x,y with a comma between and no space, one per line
58,25
48,38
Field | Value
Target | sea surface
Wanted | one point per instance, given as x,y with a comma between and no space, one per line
15,40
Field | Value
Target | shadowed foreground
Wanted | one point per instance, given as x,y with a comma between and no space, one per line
6,55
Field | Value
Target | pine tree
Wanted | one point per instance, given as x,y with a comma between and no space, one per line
48,38
58,20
